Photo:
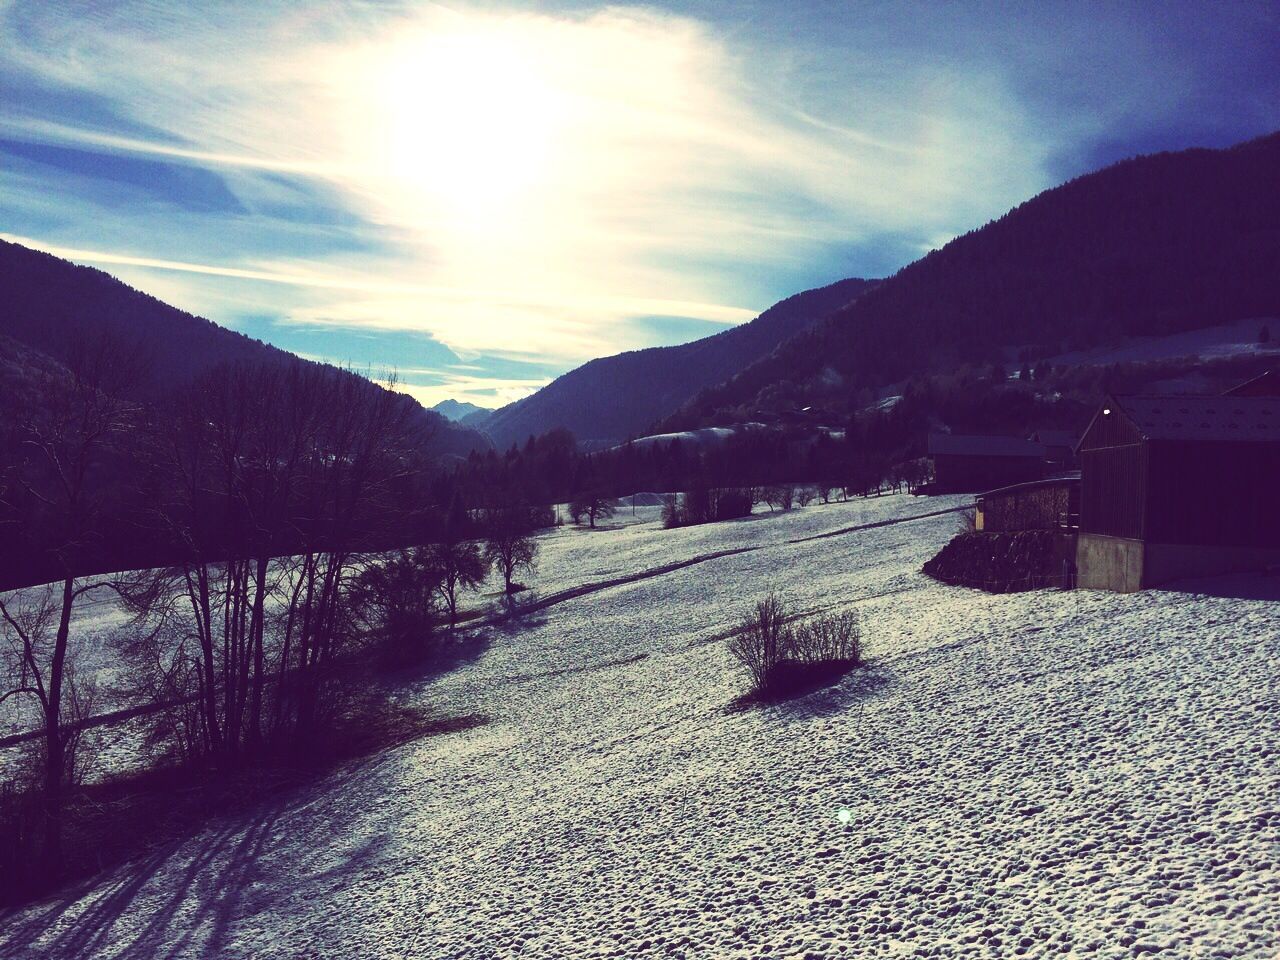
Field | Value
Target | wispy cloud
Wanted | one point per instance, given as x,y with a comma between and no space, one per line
517,182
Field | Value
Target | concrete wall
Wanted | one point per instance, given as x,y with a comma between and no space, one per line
1109,563
1116,563
1166,562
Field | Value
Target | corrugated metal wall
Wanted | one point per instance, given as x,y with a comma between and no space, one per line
1214,493
1113,472
1112,490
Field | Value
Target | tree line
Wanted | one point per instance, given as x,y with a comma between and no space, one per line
298,541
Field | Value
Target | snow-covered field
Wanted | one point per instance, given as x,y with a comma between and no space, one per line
1028,775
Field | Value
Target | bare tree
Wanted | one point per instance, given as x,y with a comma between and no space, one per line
67,441
509,545
279,480
459,564
592,506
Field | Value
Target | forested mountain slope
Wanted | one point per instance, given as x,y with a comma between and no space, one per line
613,398
52,307
1153,245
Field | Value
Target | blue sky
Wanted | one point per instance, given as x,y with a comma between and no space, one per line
480,196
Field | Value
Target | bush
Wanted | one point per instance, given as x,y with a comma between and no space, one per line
828,637
782,657
670,512
762,641
394,601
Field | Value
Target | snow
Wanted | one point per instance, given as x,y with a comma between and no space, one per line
1034,774
703,435
1239,338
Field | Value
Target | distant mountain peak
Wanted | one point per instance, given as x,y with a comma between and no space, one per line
456,410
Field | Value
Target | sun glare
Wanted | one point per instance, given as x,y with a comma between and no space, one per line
466,121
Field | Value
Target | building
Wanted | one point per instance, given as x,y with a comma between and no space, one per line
1177,486
1051,504
964,464
1059,449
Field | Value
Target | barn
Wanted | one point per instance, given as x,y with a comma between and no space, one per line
1178,486
1059,449
964,464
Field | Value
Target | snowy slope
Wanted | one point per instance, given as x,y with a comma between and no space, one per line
1036,774
1239,338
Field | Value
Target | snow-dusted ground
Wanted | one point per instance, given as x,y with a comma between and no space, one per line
96,618
1036,774
1239,338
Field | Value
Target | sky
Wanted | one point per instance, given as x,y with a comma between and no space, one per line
481,196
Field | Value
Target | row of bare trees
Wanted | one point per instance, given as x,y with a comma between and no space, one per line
252,464
287,492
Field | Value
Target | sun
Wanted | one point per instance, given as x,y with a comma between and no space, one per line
465,123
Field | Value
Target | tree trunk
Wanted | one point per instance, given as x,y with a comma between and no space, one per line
257,629
55,745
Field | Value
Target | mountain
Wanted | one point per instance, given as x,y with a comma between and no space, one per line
613,398
49,305
457,411
1151,246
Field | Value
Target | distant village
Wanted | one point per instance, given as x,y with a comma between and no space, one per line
1156,489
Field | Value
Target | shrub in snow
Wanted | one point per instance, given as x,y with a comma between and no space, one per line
784,657
762,641
828,637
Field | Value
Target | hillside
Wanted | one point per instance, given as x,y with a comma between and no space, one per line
51,305
1036,774
1151,246
613,398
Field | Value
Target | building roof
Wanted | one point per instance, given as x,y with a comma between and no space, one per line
1062,480
952,444
1055,438
1203,418
1264,385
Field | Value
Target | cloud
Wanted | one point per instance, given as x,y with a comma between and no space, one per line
483,391
512,181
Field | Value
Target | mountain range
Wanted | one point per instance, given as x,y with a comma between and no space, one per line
613,398
1151,246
